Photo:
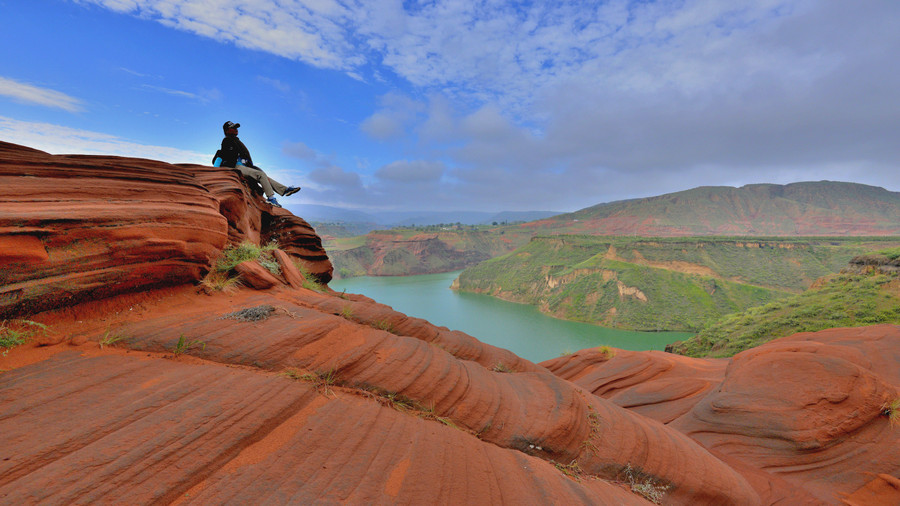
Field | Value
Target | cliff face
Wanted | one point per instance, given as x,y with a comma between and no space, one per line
408,252
152,390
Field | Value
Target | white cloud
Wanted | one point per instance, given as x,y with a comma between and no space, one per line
311,32
204,96
57,139
31,94
568,101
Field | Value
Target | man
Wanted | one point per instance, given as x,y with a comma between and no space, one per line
235,154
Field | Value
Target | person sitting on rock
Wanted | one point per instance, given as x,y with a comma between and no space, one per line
234,154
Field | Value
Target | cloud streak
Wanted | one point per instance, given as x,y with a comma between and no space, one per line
58,139
30,94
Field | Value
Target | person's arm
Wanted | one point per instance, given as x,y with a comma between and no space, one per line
243,152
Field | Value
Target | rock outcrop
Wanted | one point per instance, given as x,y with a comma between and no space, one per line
141,387
77,228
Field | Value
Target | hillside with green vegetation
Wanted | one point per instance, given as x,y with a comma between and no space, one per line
822,208
659,283
420,250
865,293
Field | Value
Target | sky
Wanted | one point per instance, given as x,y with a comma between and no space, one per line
380,105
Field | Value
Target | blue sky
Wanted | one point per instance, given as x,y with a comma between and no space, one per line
467,105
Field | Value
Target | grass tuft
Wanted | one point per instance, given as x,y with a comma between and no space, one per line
501,367
572,470
17,332
607,351
385,325
183,345
323,380
220,281
246,251
309,281
645,485
110,338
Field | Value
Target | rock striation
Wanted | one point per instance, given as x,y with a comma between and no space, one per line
75,228
146,388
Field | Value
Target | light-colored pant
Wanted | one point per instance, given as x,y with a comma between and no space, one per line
269,185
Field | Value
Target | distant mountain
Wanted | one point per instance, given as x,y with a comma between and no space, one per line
797,209
317,213
388,219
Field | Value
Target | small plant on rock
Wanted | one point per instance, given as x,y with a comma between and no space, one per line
245,251
309,282
645,485
110,338
607,351
16,332
384,325
220,281
321,380
572,470
501,367
183,345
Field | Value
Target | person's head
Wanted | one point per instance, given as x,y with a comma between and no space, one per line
231,128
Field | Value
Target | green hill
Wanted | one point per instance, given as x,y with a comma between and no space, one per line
659,283
866,293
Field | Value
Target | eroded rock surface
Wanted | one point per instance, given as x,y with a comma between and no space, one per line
147,389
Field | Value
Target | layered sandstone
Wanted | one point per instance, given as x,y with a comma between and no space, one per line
147,389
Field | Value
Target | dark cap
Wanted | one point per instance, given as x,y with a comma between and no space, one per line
229,124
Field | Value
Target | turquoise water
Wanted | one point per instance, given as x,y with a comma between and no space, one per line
519,328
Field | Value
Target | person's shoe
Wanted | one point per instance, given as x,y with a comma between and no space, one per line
291,190
273,201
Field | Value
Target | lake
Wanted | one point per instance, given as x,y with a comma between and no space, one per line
519,328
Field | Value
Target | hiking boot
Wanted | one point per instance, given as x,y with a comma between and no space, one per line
273,201
291,190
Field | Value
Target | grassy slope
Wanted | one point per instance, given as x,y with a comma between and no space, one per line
687,283
848,299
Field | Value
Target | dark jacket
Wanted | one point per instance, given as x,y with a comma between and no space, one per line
232,149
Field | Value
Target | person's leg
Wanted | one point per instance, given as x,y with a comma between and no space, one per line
259,176
278,187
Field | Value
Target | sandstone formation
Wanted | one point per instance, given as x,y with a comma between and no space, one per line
143,387
76,228
801,417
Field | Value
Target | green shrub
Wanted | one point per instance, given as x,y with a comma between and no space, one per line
17,332
246,251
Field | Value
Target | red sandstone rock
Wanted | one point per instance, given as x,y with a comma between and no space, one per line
288,270
80,228
658,385
256,276
382,408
